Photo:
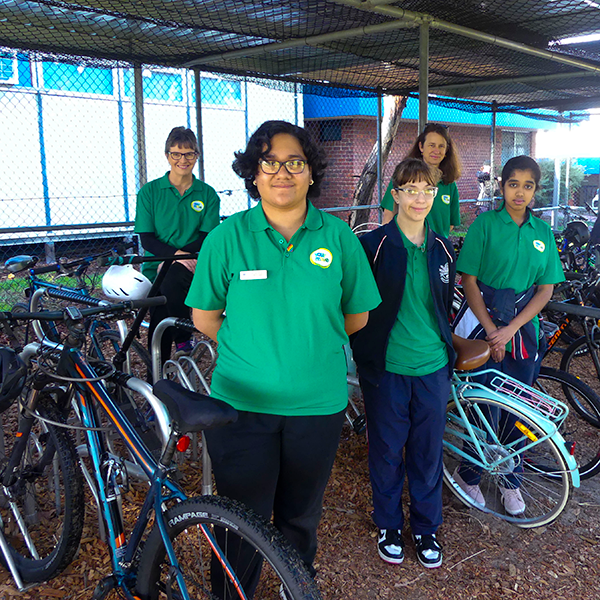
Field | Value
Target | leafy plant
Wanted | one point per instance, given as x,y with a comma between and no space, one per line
543,197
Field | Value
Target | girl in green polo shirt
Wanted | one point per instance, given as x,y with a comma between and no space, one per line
436,148
404,358
509,264
295,283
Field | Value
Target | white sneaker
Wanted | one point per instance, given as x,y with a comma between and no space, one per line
513,501
473,491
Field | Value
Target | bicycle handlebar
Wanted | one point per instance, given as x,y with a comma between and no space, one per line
61,315
134,259
574,309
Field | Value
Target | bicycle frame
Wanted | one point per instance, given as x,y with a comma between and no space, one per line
89,391
463,389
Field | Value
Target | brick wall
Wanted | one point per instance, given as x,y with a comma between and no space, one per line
347,156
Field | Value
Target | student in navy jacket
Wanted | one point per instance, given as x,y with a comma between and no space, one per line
405,358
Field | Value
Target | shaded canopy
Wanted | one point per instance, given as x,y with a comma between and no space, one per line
506,51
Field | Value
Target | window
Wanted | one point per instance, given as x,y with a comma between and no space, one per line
77,78
515,143
330,131
166,87
8,67
219,92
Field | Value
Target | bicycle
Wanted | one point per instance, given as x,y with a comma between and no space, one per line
510,434
191,550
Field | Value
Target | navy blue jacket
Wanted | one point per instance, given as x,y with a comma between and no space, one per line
388,259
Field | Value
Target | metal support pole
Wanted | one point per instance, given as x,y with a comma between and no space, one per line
493,153
140,128
568,169
199,133
423,74
379,147
556,190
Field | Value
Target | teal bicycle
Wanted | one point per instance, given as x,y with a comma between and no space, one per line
510,434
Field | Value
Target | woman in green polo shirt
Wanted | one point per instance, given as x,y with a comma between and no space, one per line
437,149
294,283
509,265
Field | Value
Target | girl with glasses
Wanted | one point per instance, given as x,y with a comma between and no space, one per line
295,283
404,357
436,148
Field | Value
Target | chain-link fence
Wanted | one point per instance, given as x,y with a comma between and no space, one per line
81,138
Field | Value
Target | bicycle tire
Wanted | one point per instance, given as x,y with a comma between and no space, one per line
545,496
20,330
578,361
577,428
48,495
108,342
281,565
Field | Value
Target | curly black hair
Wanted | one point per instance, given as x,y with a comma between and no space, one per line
259,145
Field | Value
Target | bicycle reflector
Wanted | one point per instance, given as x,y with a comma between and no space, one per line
184,443
570,447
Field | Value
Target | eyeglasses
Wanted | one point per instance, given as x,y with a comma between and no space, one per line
188,155
272,167
412,193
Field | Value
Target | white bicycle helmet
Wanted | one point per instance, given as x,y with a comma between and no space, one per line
125,283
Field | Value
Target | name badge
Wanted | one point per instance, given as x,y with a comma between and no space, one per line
258,274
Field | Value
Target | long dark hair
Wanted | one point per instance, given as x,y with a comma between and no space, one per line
259,145
450,166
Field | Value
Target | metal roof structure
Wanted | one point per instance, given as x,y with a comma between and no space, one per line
503,51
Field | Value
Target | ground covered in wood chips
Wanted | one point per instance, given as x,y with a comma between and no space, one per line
484,557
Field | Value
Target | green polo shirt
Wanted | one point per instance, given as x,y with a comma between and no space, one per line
415,346
175,219
444,212
503,255
281,343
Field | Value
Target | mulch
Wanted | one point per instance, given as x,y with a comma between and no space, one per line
484,557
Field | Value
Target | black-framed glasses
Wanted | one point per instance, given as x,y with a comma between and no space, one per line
188,155
272,167
429,193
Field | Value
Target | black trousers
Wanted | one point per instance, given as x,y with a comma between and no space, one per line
174,287
278,466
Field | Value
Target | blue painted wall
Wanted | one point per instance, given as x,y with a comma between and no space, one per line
319,107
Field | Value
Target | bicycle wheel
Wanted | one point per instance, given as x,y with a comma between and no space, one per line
46,497
578,360
511,458
106,344
230,524
578,427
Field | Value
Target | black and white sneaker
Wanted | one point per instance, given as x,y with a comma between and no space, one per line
391,545
429,552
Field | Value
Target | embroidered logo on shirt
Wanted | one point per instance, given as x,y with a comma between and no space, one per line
197,205
446,199
444,273
322,258
539,245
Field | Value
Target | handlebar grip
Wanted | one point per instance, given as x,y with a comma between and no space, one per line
572,276
574,309
46,269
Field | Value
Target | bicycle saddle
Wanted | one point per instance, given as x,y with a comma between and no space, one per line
191,411
470,354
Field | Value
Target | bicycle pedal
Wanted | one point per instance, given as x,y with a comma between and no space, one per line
104,587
